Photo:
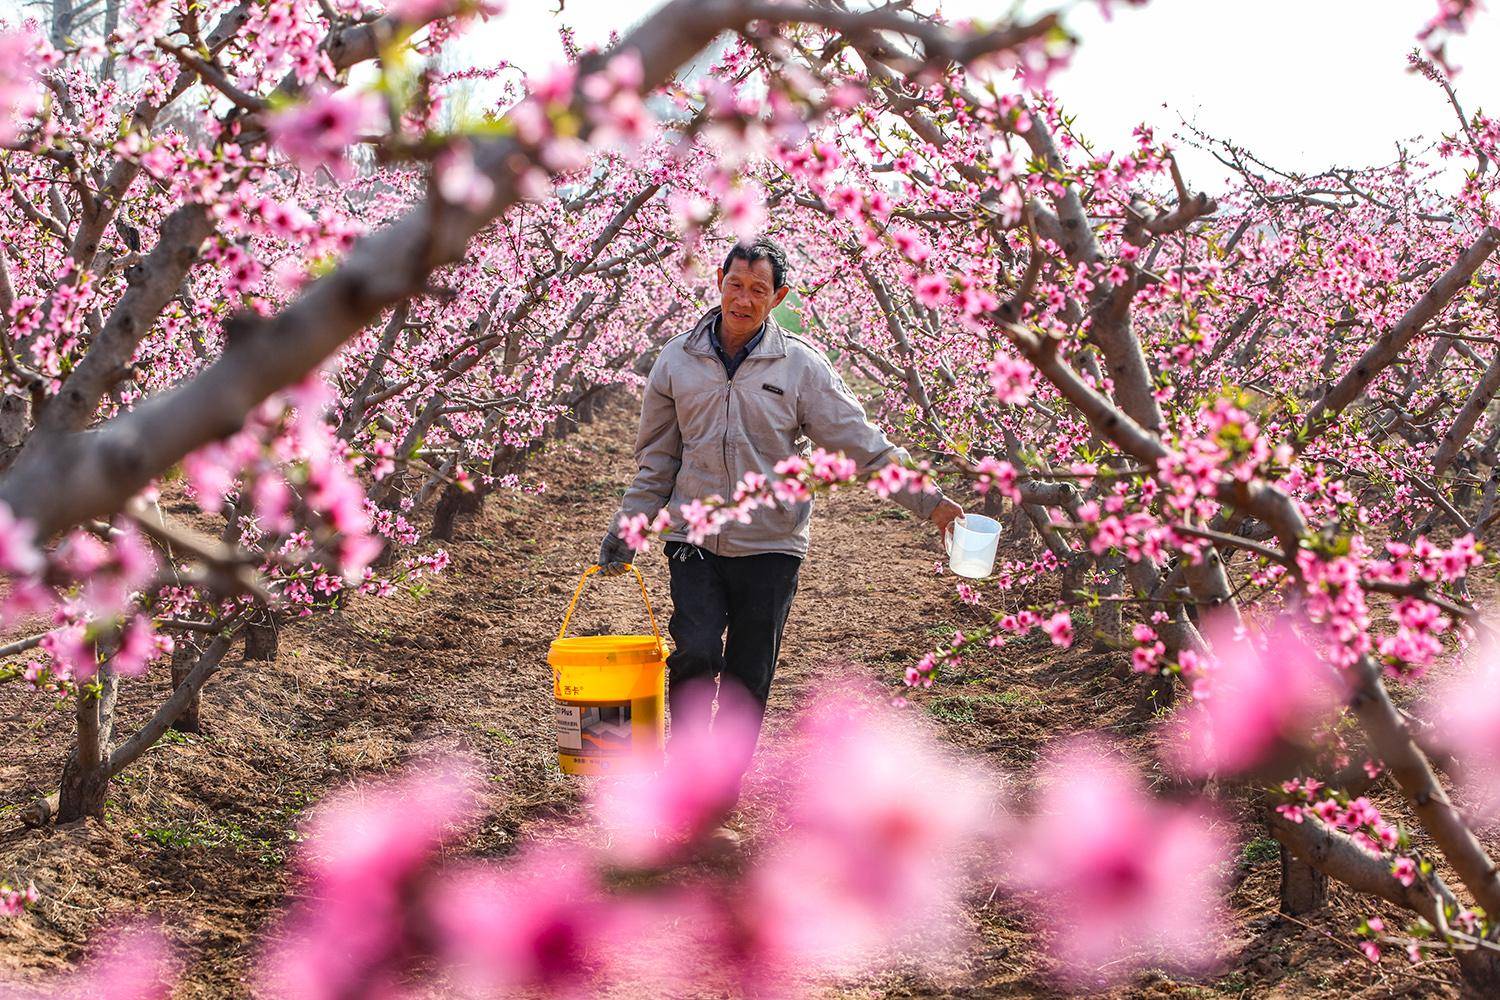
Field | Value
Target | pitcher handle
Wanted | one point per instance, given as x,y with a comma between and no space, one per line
949,532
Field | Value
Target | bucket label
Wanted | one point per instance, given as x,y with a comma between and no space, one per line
569,734
600,728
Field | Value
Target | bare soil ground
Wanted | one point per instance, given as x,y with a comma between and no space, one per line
199,833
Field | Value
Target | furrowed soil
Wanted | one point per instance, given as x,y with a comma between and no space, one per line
200,833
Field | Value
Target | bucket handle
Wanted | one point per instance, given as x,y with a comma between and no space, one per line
590,572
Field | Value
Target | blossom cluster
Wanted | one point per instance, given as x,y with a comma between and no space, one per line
797,479
15,901
1058,627
851,874
1356,816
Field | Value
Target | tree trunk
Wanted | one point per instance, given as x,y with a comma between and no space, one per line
993,504
1481,974
1070,583
1488,454
507,459
62,22
1304,889
15,423
82,791
1457,435
1487,501
585,408
1157,696
85,776
263,639
111,22
450,505
184,658
1109,628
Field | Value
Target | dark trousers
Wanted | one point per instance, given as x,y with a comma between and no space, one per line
749,596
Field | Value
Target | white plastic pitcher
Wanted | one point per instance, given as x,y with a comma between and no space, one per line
971,542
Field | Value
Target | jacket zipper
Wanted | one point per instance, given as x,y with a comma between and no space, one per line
724,442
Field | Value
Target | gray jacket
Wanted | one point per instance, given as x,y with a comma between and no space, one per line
701,432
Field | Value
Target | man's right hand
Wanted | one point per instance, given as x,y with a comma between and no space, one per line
615,556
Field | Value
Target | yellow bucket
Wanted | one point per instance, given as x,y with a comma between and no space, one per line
611,692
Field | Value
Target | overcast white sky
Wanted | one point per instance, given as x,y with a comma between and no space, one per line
1305,83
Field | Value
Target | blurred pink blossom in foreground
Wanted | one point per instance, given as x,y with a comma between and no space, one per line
319,131
541,922
651,818
136,965
1250,700
1464,708
364,849
882,827
20,91
1121,879
869,832
872,831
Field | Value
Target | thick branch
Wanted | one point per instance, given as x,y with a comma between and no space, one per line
1389,345
1335,854
355,414
152,284
1473,408
145,738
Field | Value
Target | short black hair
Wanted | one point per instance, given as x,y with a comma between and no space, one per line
764,248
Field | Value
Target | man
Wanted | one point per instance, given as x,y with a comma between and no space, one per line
738,394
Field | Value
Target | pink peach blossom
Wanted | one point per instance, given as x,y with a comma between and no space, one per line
318,132
135,964
20,90
656,816
1464,706
879,817
1251,699
364,848
18,551
540,923
1121,880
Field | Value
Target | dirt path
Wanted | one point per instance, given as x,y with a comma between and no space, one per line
199,832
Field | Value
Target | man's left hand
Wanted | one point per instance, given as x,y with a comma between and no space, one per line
944,515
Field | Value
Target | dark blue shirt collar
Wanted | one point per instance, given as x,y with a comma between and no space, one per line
731,365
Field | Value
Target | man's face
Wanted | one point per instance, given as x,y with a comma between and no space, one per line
748,295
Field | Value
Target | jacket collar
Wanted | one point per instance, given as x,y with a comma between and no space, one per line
772,341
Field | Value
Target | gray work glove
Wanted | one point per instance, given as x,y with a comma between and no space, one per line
614,556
